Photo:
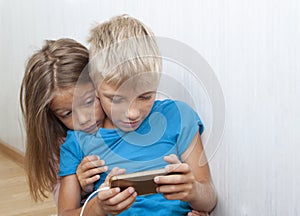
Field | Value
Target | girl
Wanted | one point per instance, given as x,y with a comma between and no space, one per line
46,98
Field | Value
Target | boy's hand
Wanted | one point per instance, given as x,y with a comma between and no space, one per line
179,186
112,201
88,172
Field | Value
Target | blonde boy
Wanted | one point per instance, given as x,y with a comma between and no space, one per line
139,133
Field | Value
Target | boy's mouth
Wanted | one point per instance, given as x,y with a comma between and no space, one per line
131,125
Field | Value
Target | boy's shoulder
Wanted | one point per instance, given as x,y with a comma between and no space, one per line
177,112
169,104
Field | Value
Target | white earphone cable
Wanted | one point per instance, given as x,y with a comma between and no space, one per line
90,196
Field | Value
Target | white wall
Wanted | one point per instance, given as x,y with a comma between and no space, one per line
253,48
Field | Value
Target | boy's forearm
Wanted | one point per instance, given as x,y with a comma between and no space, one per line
70,212
69,199
91,209
206,198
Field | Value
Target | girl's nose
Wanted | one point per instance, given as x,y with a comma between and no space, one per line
83,118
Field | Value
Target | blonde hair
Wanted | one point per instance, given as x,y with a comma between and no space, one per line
58,65
122,48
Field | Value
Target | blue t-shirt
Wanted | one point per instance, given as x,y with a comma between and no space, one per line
168,129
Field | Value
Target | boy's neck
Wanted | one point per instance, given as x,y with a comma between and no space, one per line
108,124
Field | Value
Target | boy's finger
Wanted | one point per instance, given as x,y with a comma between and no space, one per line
107,194
172,159
179,168
113,172
122,197
126,202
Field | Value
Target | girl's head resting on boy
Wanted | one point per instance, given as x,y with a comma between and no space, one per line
54,75
78,108
125,66
58,90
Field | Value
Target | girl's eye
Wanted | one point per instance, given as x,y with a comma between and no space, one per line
66,115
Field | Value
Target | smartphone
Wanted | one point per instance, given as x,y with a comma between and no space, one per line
142,182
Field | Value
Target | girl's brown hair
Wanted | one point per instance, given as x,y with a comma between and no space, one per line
58,65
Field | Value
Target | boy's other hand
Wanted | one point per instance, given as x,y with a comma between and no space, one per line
180,185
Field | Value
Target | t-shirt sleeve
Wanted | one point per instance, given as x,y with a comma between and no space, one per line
190,124
70,155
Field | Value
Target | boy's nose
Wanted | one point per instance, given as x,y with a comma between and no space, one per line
132,113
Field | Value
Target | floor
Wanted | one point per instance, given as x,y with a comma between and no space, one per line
14,194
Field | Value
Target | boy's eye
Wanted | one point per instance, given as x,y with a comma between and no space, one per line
89,101
116,100
145,97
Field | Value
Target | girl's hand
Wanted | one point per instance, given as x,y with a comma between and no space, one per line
112,201
88,172
179,186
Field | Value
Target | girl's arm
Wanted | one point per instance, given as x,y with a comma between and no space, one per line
88,172
69,196
193,184
55,191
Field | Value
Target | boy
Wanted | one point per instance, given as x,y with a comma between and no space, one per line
125,69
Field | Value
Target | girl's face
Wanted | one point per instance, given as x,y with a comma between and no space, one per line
78,108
